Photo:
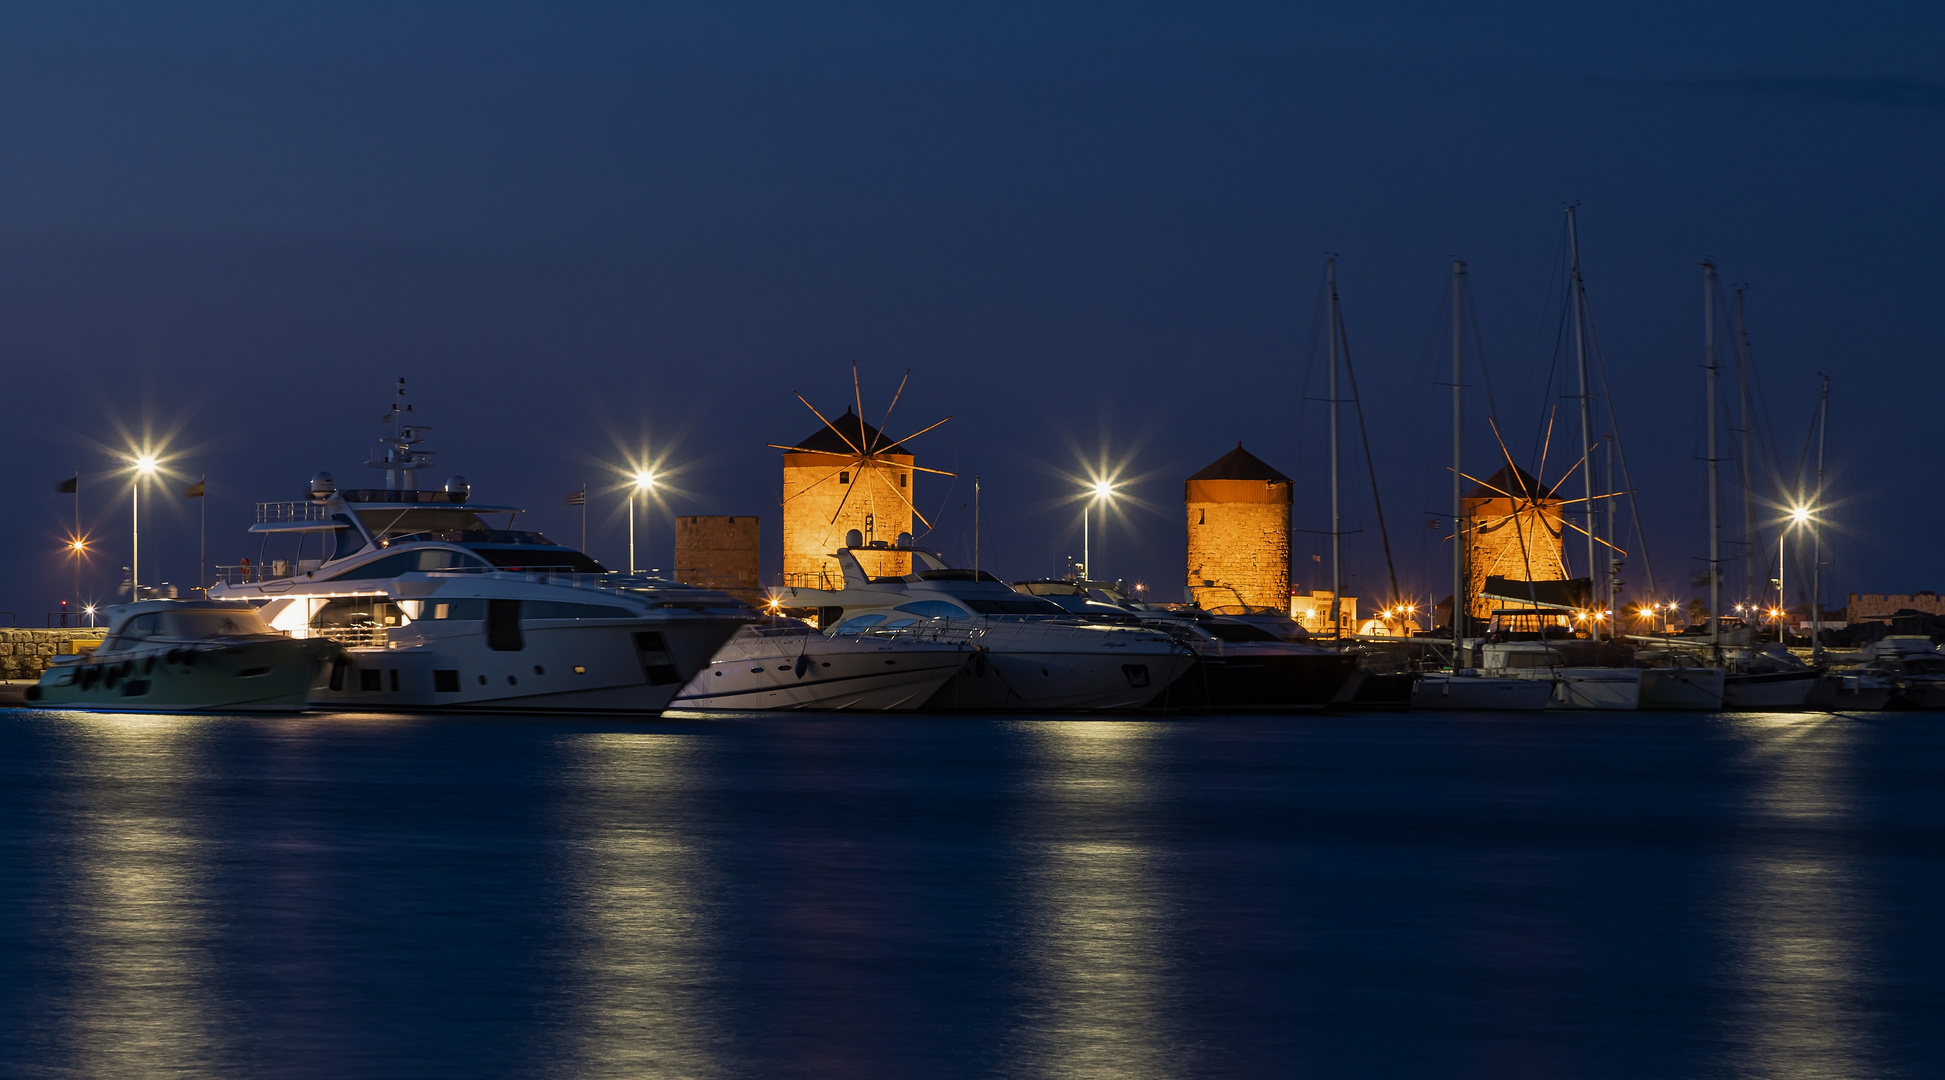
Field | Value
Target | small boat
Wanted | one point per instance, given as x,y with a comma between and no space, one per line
1914,668
1851,690
1688,689
790,665
1768,677
187,656
1468,689
1575,686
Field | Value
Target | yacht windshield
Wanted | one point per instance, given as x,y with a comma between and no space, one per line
539,558
952,574
1022,606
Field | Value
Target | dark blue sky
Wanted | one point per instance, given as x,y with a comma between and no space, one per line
589,231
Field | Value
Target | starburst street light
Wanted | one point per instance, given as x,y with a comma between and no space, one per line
1101,490
643,482
145,463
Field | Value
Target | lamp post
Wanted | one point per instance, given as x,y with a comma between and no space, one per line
144,466
644,481
1101,490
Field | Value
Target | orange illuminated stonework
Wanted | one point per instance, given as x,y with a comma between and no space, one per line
1513,529
1239,534
826,495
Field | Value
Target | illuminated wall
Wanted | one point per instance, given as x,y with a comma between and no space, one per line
1239,534
816,484
1519,539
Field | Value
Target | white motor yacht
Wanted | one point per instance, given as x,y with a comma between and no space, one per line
1913,666
186,656
1029,654
1768,678
790,665
438,609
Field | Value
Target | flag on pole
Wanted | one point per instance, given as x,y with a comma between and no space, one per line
194,491
577,498
71,485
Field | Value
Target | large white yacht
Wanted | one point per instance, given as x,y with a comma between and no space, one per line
790,665
1028,653
437,608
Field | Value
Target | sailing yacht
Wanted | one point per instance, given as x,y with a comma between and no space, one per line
1028,653
437,608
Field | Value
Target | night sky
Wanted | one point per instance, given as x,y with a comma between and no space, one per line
1094,233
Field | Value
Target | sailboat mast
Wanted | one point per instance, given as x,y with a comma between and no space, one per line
1586,404
1458,496
1336,531
1715,509
1816,531
1745,423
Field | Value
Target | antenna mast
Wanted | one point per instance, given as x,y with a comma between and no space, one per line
1816,531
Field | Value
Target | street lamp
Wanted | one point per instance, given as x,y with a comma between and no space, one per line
644,481
1099,491
144,466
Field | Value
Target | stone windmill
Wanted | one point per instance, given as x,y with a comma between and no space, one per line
1515,540
848,475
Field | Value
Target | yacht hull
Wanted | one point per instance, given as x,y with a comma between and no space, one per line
1241,680
260,676
1691,689
1480,693
1030,680
606,666
812,672
1601,689
1850,693
1768,690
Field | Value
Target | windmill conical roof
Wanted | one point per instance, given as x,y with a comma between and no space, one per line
862,436
1511,480
1240,464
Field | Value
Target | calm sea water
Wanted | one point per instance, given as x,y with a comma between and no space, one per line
1390,895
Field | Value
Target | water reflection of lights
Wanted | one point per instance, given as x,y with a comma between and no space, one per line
640,884
1096,933
140,997
1796,912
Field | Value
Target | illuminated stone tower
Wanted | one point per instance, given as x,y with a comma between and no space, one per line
1239,533
844,477
1513,529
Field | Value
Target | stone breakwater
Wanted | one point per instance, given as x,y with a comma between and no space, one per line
24,653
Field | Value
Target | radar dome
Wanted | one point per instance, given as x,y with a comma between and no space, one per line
854,538
459,489
323,486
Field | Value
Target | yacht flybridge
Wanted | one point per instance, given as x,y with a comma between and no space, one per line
439,605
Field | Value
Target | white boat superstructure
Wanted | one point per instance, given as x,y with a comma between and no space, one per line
793,666
438,609
1468,689
1029,653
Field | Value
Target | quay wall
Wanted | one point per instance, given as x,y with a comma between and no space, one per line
24,653
1879,607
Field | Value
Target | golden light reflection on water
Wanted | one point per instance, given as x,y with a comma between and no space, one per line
141,990
1096,937
640,886
1797,908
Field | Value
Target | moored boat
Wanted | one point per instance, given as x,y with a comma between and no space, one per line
187,656
790,665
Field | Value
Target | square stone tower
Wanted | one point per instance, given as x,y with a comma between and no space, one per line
717,552
844,477
1239,534
1513,529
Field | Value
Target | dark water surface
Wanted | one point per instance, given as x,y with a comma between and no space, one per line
1547,896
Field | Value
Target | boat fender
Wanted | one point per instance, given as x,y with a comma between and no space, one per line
803,664
174,656
88,676
189,657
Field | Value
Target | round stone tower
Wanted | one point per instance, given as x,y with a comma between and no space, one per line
1515,529
843,477
1239,534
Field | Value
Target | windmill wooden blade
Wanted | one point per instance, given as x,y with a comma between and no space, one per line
1487,486
803,450
908,505
839,512
1609,495
827,476
857,393
1584,532
921,431
934,472
828,424
894,404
